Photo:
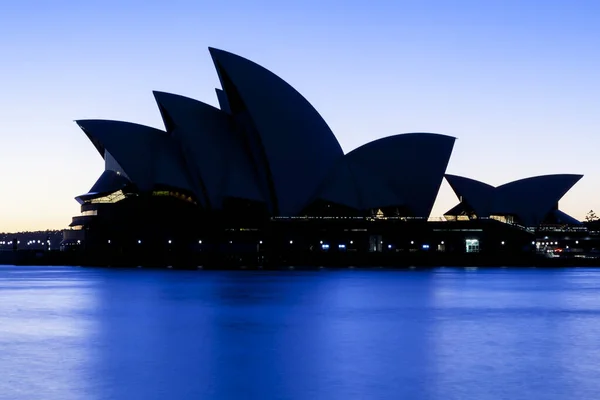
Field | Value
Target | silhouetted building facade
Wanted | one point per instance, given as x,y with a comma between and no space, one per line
264,173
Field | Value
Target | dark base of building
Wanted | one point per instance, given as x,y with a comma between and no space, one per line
328,242
221,261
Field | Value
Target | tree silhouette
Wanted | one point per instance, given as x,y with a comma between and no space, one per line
591,216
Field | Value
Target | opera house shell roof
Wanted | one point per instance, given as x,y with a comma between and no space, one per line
265,144
532,201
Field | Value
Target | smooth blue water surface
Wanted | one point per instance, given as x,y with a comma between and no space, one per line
447,333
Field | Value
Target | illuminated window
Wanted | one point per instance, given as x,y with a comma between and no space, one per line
111,198
472,245
507,219
171,193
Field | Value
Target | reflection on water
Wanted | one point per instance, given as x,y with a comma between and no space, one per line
74,333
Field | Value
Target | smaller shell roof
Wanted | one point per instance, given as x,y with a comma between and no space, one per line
400,170
530,199
147,155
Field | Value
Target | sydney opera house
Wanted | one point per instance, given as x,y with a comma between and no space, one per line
530,202
264,172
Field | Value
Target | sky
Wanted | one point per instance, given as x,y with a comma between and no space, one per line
517,82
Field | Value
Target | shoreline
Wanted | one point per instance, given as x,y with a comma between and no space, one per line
223,261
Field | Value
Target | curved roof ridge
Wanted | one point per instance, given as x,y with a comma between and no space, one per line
100,146
575,177
460,177
401,135
162,94
101,120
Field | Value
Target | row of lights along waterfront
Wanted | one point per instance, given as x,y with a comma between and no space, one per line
170,241
231,241
260,242
28,243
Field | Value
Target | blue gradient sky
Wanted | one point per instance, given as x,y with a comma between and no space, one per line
517,82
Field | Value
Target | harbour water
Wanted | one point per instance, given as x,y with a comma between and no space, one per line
443,333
